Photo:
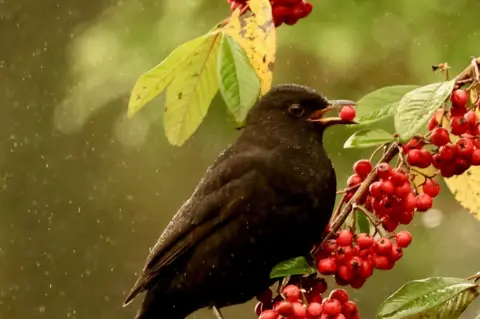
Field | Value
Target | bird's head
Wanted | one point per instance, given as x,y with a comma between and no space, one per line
296,107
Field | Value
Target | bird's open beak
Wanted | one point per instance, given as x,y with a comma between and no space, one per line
318,116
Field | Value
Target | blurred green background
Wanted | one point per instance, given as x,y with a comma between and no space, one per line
84,192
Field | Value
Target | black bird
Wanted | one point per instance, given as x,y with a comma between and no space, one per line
267,198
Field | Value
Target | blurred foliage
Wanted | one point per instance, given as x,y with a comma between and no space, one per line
84,192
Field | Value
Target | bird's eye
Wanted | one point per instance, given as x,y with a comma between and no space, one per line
296,110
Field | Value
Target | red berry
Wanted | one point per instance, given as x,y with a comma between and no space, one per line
458,125
406,216
382,262
384,170
461,165
471,118
354,180
399,177
458,111
314,310
307,9
424,202
329,246
365,241
437,161
345,273
357,282
345,238
459,98
362,168
431,188
349,310
390,224
299,311
387,187
331,307
320,286
327,266
403,191
414,143
292,19
476,157
291,292
269,314
410,203
420,158
403,238
284,308
414,157
339,294
375,189
383,246
440,136
366,270
347,113
314,298
448,152
265,296
432,123
465,148
448,170
397,253
344,254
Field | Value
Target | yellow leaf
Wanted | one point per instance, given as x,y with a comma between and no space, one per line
474,94
191,90
466,189
256,35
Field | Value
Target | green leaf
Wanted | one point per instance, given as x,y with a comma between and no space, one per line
362,223
238,81
381,104
368,138
453,308
294,266
418,106
191,90
424,296
153,82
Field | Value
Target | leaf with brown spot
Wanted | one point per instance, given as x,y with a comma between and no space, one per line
256,34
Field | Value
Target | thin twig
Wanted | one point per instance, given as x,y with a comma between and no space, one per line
474,277
217,312
348,189
339,207
378,149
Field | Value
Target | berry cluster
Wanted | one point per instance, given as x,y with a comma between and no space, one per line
352,258
391,197
283,11
307,303
449,157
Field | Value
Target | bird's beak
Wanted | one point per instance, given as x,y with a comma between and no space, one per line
318,116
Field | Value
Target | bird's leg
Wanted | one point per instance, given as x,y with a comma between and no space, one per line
217,312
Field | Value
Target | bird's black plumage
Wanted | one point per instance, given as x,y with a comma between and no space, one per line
266,198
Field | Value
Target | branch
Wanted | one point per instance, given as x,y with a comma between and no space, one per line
470,73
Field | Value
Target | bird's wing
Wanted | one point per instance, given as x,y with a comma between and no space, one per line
227,184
